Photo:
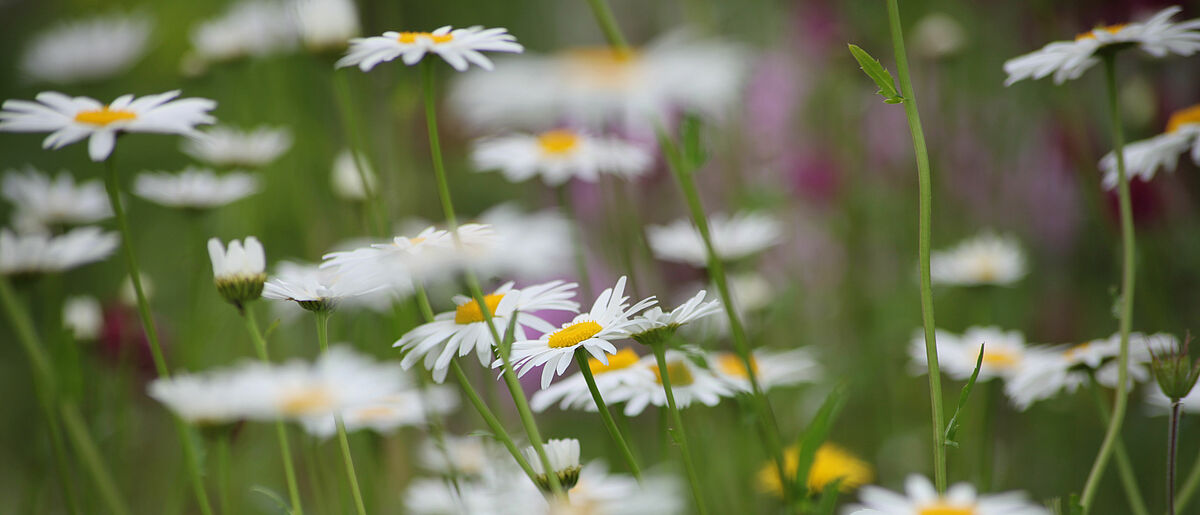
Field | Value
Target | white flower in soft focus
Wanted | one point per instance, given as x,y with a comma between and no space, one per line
742,235
431,255
462,455
72,119
327,24
82,315
563,456
86,50
751,294
311,287
771,367
126,293
340,380
239,271
223,146
572,392
460,48
1144,158
527,246
1003,355
938,35
42,202
218,396
593,331
1067,60
655,326
981,260
248,28
346,180
558,156
457,333
42,253
1160,404
194,188
409,408
1063,367
600,87
690,383
920,498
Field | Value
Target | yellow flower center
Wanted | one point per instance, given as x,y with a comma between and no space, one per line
945,508
374,413
985,269
601,67
417,241
1000,357
678,372
409,38
1073,351
104,116
573,334
306,400
1183,117
470,312
1111,29
624,358
734,366
829,464
558,142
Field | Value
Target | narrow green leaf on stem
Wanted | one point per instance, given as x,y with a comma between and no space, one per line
814,435
953,426
877,73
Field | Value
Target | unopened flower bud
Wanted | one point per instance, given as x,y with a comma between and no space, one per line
239,271
564,459
1175,372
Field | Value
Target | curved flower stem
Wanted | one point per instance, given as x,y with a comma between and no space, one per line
609,423
608,24
1127,285
285,448
343,441
1137,505
1189,488
568,208
680,436
112,185
925,220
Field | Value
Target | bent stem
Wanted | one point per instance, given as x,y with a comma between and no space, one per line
680,437
1127,284
924,231
285,448
609,423
1137,505
343,441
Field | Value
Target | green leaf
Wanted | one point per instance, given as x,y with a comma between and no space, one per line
954,424
279,502
693,148
877,73
829,498
815,434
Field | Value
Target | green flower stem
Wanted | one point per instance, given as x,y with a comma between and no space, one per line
680,436
608,24
1172,449
435,145
609,424
345,103
343,441
223,468
285,448
1190,485
568,208
1137,505
86,448
926,218
1127,284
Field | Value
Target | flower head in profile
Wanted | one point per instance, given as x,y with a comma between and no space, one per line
830,463
87,50
690,383
560,155
72,119
40,253
564,460
1144,158
1067,60
433,254
458,47
406,408
921,498
465,330
43,202
194,188
773,368
231,147
654,326
986,259
594,332
312,288
239,271
736,237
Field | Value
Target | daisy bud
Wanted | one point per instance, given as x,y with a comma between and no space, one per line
1175,372
239,271
564,458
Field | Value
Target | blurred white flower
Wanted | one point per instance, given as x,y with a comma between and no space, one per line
920,497
1067,60
468,456
346,180
224,146
563,455
751,293
771,367
982,260
248,28
402,409
1160,404
654,326
690,383
1004,353
1144,158
43,202
42,253
572,392
458,47
311,287
527,246
327,24
742,235
431,255
82,315
72,119
558,156
194,188
88,49
126,293
938,35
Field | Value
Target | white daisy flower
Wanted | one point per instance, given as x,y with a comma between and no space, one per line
736,237
527,246
654,326
216,397
194,188
458,332
563,456
43,202
83,317
1067,60
772,368
1004,353
458,47
599,87
87,50
690,383
71,119
223,146
559,155
468,456
249,28
346,179
571,392
1159,404
239,271
599,491
920,498
982,260
327,24
409,408
429,256
313,288
593,331
1144,158
750,292
40,253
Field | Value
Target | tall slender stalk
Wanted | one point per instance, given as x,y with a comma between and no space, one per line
608,24
343,441
581,267
680,436
1190,486
1127,284
1172,448
925,221
1137,505
77,431
602,407
223,469
285,448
